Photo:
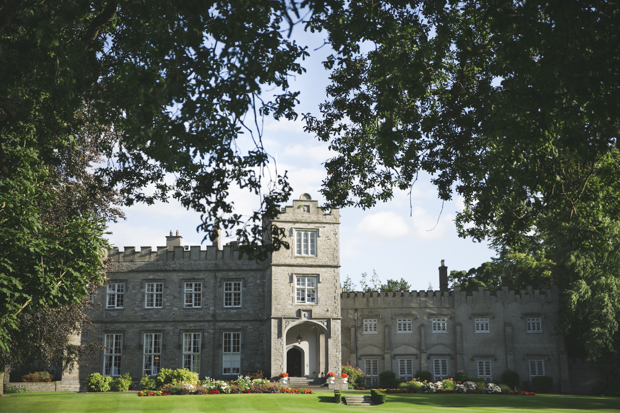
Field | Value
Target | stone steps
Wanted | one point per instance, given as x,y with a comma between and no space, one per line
359,401
306,383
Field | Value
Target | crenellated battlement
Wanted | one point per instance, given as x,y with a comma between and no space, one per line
424,298
229,252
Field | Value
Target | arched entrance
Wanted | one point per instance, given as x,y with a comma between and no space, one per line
308,340
294,360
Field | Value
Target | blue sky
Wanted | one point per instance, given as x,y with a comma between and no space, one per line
403,238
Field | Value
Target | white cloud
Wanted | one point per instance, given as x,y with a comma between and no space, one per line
427,226
383,225
316,153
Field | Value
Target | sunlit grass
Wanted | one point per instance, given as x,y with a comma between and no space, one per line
320,401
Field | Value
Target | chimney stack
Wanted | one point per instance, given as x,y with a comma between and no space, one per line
443,277
217,235
174,241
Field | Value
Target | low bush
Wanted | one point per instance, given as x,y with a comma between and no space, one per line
461,377
357,378
11,389
258,374
265,388
511,379
147,383
448,385
378,397
387,380
98,383
504,388
422,375
337,396
38,377
414,386
542,384
606,388
121,383
169,376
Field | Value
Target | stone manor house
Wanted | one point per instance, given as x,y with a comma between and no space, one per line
221,316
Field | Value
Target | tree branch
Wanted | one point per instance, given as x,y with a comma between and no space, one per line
7,12
106,15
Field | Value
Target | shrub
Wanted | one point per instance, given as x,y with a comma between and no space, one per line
422,375
542,384
337,396
147,383
461,377
10,389
414,386
169,376
97,382
607,388
38,377
448,385
511,379
504,388
480,384
121,383
258,374
387,380
357,378
265,388
378,397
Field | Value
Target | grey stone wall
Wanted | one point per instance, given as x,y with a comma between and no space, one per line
507,345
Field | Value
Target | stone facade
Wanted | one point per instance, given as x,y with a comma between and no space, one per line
208,310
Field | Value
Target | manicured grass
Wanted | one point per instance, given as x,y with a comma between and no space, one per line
323,401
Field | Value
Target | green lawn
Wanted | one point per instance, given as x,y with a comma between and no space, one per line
295,403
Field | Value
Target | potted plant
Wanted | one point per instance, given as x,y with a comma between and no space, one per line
331,377
283,378
345,378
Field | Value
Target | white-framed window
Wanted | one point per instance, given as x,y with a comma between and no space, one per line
405,369
370,326
232,294
481,325
534,325
306,290
439,325
537,368
152,354
371,369
191,352
484,370
116,295
231,361
112,354
440,369
305,243
403,325
193,295
154,295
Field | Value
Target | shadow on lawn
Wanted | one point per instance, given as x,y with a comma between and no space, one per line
326,399
551,401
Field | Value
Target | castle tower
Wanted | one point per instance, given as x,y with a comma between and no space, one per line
305,292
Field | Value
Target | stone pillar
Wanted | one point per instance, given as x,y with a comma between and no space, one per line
352,349
459,348
423,363
510,358
387,349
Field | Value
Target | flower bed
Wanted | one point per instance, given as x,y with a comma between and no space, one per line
297,391
448,386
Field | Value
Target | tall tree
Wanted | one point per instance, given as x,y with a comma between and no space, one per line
171,87
396,286
511,105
